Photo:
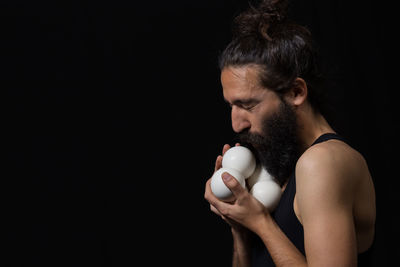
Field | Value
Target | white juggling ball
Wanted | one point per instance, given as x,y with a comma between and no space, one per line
218,187
259,174
240,162
241,159
267,192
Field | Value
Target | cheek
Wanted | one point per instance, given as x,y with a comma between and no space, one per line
257,124
267,108
261,117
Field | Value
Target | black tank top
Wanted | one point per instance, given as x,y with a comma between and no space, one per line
285,217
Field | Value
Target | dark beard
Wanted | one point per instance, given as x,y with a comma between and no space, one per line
277,148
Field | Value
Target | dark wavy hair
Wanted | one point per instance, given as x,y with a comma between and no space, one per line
264,36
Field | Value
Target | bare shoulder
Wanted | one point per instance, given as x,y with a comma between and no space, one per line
332,168
332,157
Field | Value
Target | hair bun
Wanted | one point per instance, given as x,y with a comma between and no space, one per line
258,20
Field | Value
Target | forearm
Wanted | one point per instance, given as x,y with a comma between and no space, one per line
241,248
283,252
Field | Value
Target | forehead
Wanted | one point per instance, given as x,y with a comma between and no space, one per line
240,82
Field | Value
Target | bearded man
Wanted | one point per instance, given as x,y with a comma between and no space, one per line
326,214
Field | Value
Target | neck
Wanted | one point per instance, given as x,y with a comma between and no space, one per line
311,125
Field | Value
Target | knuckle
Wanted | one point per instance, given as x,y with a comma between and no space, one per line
224,212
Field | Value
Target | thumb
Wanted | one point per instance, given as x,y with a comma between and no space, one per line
232,183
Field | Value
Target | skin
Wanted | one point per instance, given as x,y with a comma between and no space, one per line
335,197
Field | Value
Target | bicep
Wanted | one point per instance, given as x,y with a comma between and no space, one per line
325,205
329,239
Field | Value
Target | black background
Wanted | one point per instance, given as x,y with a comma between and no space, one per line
114,117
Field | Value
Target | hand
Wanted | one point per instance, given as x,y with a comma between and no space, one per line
244,210
218,165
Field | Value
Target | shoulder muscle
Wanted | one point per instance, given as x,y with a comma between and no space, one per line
328,172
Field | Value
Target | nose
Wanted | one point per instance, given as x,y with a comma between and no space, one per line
239,120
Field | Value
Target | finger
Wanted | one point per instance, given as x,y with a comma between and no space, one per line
237,144
233,184
218,163
225,148
229,221
207,190
213,209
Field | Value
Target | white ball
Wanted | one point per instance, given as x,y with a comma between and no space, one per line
218,187
259,174
241,159
268,193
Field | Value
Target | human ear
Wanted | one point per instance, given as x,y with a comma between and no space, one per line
297,94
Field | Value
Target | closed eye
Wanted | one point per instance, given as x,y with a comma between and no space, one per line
247,104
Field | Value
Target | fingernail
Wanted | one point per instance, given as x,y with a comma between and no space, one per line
226,176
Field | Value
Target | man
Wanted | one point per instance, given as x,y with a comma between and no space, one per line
326,215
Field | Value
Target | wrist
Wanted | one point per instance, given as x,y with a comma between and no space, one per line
264,223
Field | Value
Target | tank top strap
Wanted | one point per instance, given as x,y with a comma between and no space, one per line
328,136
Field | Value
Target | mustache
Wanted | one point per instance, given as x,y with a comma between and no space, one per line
252,141
248,138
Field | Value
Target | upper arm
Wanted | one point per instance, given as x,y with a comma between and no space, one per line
325,203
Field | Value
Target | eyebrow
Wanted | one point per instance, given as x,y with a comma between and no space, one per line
241,102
